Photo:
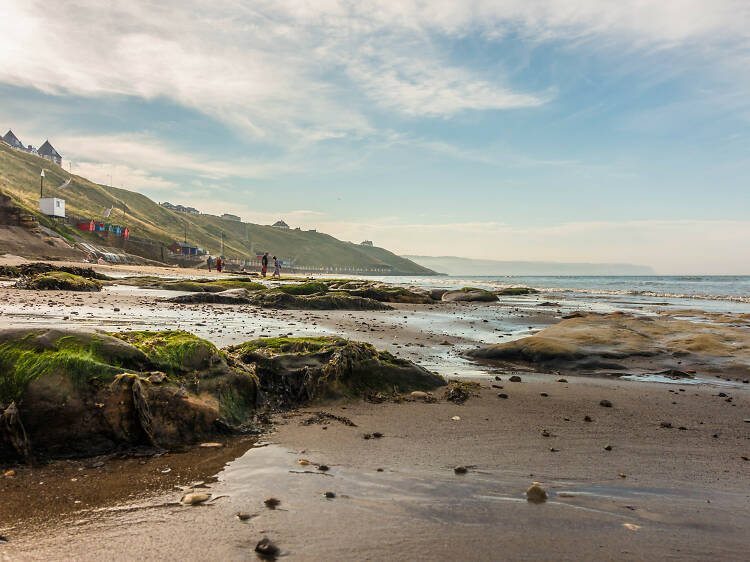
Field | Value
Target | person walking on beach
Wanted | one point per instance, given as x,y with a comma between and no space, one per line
210,262
276,268
264,264
218,264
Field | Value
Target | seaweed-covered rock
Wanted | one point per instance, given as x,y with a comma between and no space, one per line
84,393
385,293
294,371
35,268
192,285
514,291
328,301
307,288
9,271
230,296
469,294
60,281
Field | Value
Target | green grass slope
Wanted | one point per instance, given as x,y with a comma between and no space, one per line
19,178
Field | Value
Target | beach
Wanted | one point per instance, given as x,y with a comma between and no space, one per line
659,473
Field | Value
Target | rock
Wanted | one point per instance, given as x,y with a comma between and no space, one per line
60,281
536,493
323,467
266,548
515,291
195,498
211,445
587,419
562,380
608,448
546,433
543,394
329,495
367,436
459,392
722,395
605,403
469,294
9,473
460,470
446,343
377,434
456,418
271,503
515,378
502,395
419,395
497,378
157,377
622,475
666,425
244,516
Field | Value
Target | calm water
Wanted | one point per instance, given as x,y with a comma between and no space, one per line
730,293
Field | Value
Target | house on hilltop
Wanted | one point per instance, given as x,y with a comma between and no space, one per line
366,243
228,217
280,224
13,140
48,152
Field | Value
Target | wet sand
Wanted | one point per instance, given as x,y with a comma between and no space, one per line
684,491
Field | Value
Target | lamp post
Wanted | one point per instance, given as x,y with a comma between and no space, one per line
41,185
222,243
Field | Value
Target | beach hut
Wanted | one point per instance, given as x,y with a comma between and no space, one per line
88,226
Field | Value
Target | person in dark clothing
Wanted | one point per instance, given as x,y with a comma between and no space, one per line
210,262
264,264
218,265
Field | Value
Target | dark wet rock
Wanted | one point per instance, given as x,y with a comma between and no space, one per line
515,378
295,371
587,419
437,294
244,516
267,549
562,380
576,314
674,374
549,303
608,447
460,470
502,395
377,434
323,467
329,495
497,378
325,417
469,294
666,425
536,493
605,403
38,268
543,394
60,281
386,293
722,395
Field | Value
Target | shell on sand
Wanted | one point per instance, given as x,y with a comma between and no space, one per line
536,493
195,498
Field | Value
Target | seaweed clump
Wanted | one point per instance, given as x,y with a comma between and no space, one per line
60,281
469,294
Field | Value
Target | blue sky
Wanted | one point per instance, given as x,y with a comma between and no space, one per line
522,130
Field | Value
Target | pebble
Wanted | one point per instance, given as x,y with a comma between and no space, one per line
668,425
243,516
605,403
419,394
195,498
502,395
377,434
543,394
515,378
271,503
456,418
266,548
587,419
562,380
323,468
9,473
608,448
460,470
536,493
329,495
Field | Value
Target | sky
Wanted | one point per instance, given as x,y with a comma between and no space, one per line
579,130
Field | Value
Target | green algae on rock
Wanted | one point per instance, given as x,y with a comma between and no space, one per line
328,301
60,281
514,291
84,393
294,371
469,294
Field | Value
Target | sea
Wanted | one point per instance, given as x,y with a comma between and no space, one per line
711,293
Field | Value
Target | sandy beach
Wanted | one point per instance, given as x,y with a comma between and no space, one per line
661,474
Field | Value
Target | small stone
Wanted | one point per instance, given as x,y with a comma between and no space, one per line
271,503
418,395
266,548
9,473
244,516
515,378
667,425
553,450
379,470
562,380
497,378
543,394
303,462
536,493
502,395
722,395
545,433
367,436
116,309
456,418
323,468
682,428
377,434
329,495
460,470
605,403
608,448
195,498
587,419
622,475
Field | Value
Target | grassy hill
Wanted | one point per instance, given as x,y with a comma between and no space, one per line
19,179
